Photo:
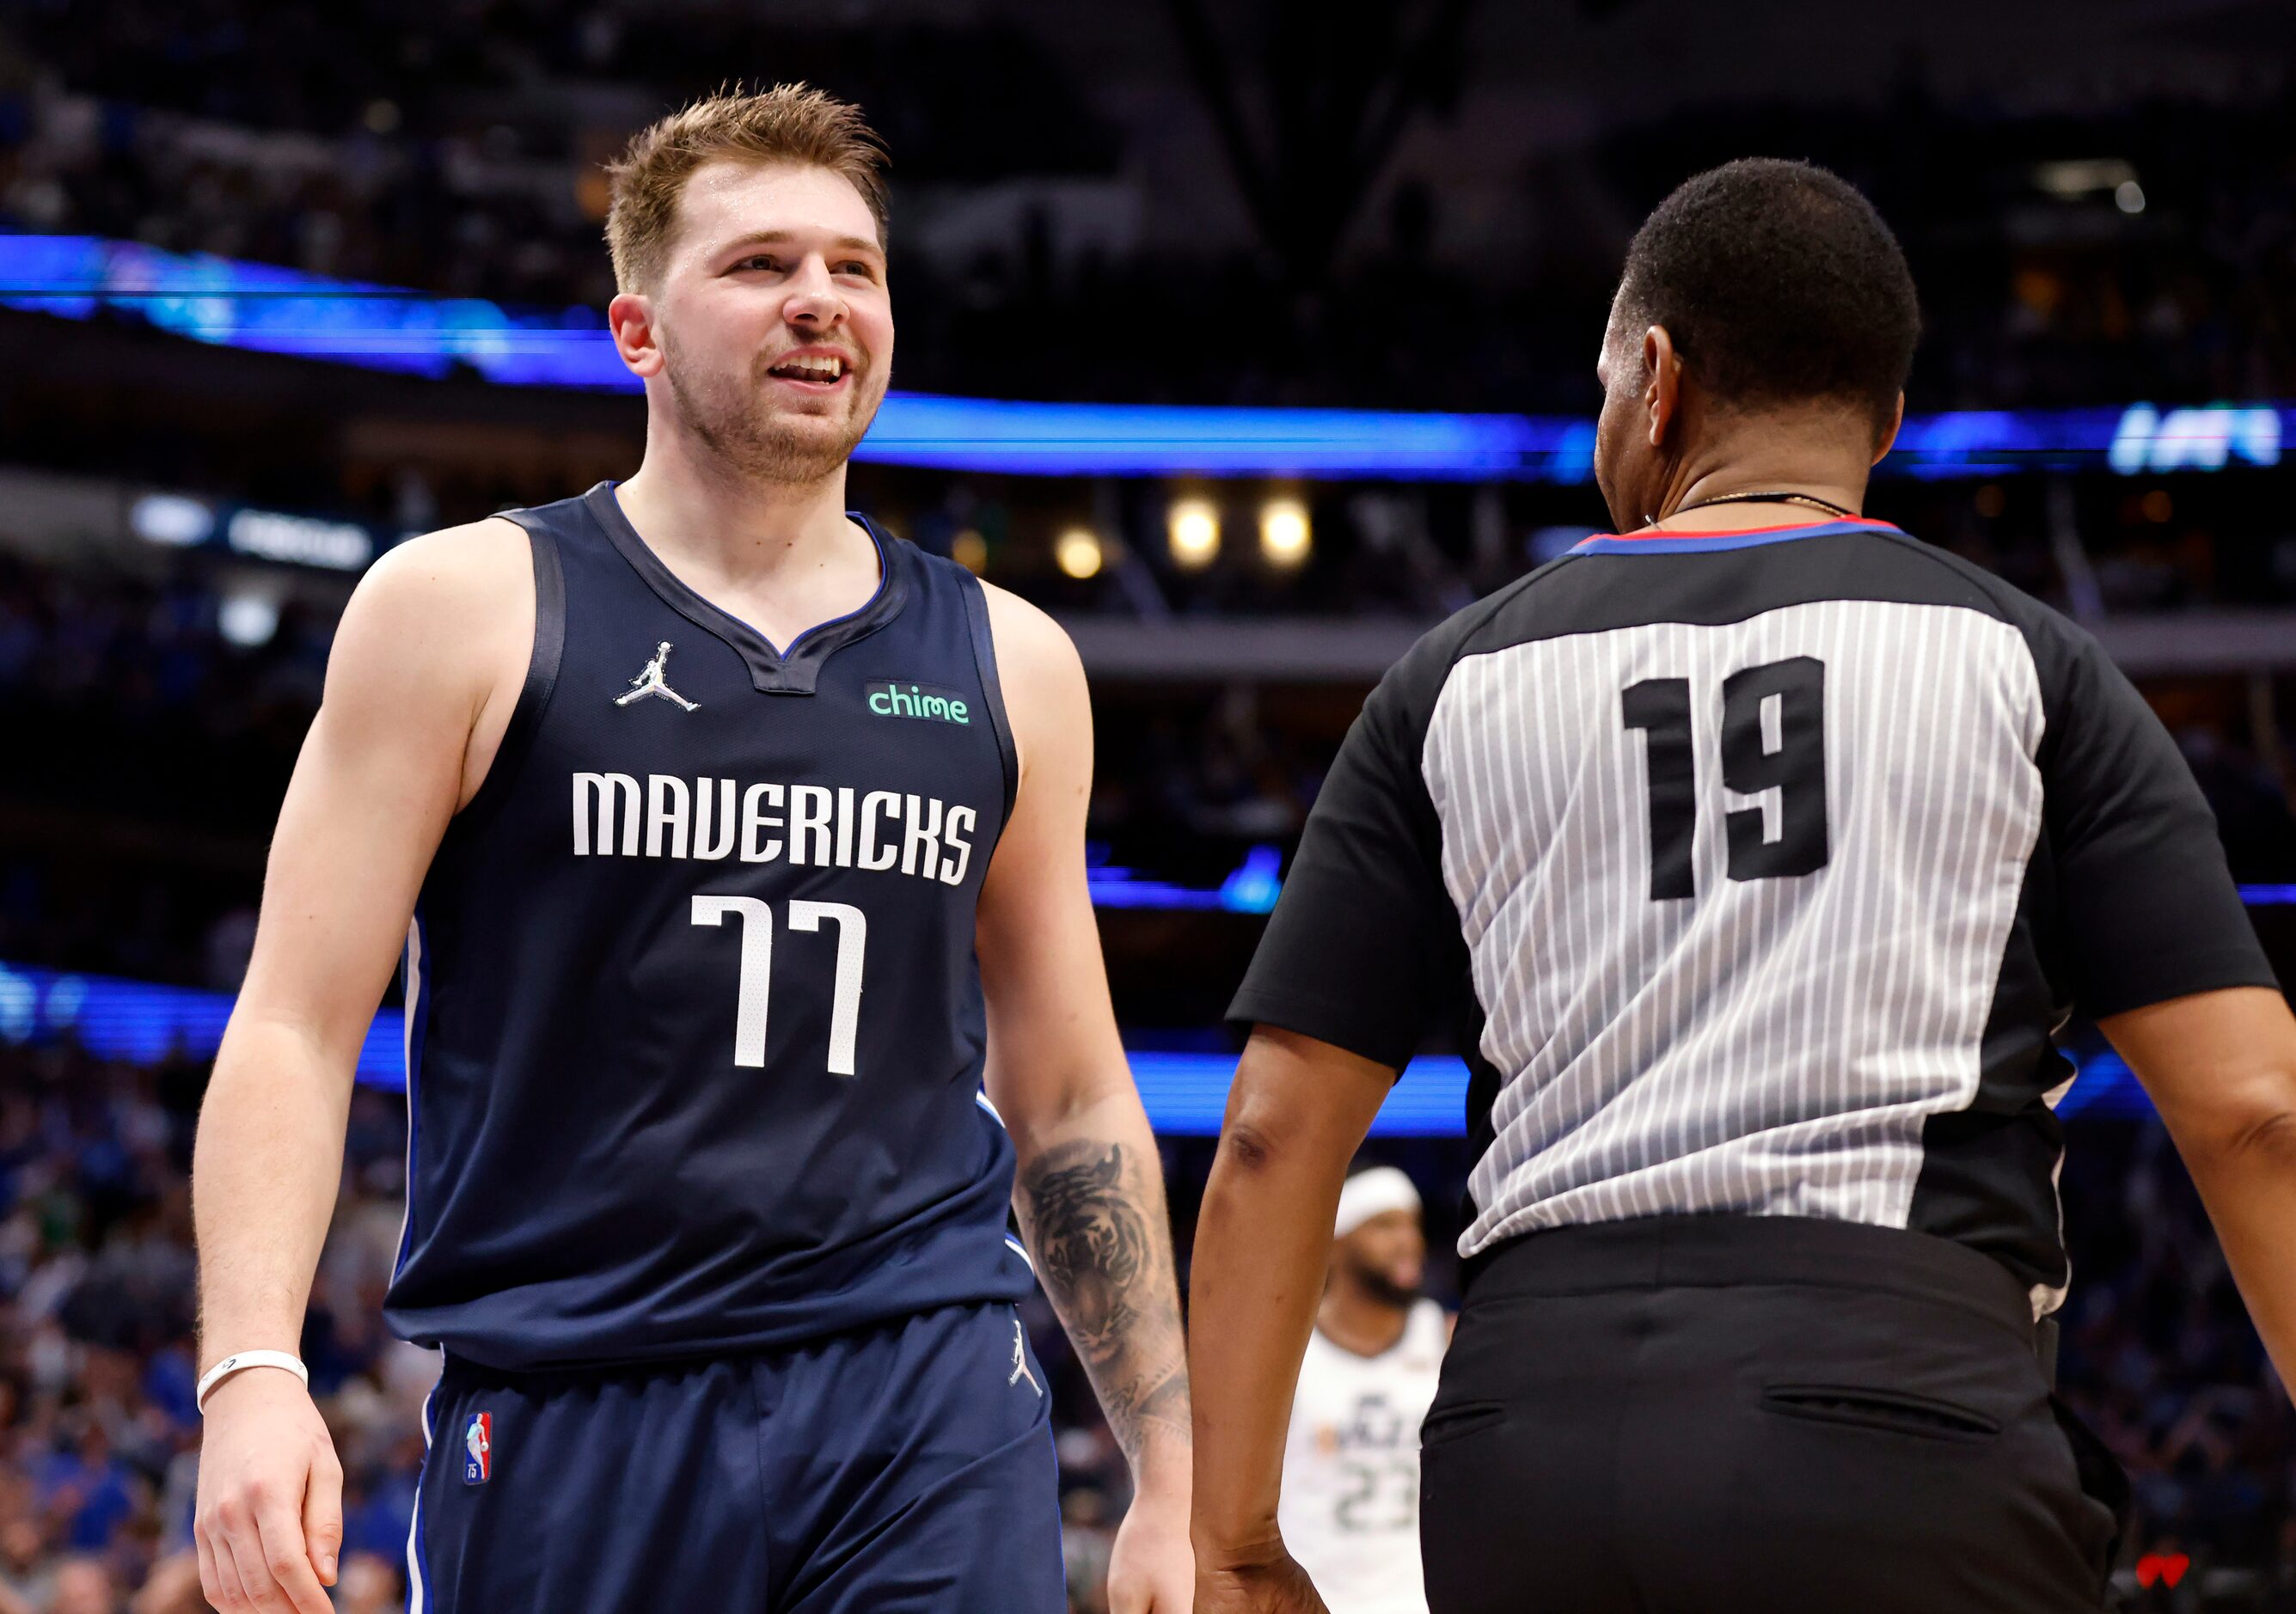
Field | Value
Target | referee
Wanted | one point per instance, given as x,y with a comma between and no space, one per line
1756,853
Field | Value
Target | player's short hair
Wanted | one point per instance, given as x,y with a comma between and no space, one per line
1779,284
790,123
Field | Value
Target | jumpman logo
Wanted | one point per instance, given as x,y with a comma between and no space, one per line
650,681
1020,1360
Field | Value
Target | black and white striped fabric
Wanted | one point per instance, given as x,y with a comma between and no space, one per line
1758,868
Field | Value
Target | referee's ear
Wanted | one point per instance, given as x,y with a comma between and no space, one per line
1890,434
1662,386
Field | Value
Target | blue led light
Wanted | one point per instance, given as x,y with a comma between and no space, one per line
2205,438
279,310
273,309
1255,886
1150,439
2105,1087
1252,889
1185,1093
143,1024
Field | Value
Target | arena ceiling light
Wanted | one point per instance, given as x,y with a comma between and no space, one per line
248,616
2069,181
1192,529
171,519
1078,554
1285,534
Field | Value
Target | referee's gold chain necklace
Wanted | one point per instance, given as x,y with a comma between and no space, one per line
1781,497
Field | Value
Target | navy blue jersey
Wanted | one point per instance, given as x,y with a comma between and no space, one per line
694,1023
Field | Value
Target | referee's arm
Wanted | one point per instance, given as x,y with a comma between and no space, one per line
2154,942
1298,1111
1357,955
2221,1069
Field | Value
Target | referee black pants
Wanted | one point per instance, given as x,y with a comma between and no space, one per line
1709,1414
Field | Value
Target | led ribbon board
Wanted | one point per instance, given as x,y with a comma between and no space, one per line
272,309
1185,1093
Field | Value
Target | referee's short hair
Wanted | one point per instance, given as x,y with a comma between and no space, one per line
1779,284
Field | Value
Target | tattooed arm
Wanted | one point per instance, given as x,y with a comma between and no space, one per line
1089,1187
1092,1210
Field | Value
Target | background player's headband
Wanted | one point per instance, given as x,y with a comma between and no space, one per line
1373,1194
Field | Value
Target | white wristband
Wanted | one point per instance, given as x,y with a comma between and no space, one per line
229,1366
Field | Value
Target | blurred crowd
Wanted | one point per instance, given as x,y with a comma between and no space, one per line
96,1348
456,149
2159,1357
99,1438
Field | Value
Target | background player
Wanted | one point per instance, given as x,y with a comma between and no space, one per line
1761,851
1350,1509
717,1257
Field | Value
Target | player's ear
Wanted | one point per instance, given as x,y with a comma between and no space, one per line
630,317
1662,382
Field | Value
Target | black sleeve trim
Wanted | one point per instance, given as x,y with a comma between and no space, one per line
1343,1025
2144,906
992,688
541,665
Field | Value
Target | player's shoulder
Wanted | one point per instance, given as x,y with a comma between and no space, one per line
458,600
1030,643
472,561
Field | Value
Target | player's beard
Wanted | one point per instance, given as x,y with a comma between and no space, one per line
1380,1289
1386,1290
729,416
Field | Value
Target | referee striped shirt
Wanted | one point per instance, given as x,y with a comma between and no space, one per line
1757,870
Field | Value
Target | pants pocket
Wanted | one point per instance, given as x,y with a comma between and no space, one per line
1886,1410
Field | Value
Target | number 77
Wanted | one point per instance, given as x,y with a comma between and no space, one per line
757,971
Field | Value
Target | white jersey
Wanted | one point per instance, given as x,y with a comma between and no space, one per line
1351,1507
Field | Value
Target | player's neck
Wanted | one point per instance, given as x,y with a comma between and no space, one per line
1360,1323
781,556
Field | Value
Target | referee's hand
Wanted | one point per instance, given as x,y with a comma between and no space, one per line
270,1517
1272,1585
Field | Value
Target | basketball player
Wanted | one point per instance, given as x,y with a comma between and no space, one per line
737,851
1761,849
1350,1510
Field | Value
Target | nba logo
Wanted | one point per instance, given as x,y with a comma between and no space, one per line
479,1443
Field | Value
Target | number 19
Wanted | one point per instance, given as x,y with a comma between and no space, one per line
1773,739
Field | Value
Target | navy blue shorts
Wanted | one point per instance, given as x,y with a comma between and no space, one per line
903,1469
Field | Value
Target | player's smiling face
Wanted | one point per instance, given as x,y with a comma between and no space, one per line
774,316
